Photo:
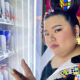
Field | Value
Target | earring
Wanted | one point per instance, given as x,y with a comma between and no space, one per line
78,40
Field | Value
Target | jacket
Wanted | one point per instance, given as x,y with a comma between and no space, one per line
71,67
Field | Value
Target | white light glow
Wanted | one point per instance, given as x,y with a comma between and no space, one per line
35,6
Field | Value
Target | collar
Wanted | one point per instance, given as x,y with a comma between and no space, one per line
66,65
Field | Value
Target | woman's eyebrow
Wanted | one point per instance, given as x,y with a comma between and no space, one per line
52,27
56,26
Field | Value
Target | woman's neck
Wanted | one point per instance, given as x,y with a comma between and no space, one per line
75,52
59,60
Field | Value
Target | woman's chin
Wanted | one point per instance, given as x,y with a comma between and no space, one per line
56,52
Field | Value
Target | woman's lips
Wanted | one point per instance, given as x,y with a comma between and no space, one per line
54,46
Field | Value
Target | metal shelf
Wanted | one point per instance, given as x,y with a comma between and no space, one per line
6,55
5,22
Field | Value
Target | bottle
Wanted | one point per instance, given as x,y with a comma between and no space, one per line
7,11
1,75
8,35
2,42
12,44
5,74
2,10
12,13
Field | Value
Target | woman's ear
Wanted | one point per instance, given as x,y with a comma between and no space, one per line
77,31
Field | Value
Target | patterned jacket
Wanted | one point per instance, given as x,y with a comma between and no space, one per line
70,70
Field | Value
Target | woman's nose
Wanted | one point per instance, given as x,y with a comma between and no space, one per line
52,37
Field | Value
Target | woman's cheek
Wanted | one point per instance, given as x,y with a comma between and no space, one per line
64,37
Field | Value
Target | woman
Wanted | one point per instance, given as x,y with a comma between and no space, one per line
61,31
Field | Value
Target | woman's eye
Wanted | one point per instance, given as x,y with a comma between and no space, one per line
46,34
57,30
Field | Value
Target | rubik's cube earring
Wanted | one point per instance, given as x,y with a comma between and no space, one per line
78,40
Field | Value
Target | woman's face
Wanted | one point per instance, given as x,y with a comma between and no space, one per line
59,36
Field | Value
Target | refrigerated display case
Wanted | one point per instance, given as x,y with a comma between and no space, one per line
19,36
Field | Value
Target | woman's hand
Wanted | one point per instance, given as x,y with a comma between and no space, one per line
28,73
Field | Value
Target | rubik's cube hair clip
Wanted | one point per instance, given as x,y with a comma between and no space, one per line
65,4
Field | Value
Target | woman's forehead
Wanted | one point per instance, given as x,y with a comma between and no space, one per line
55,20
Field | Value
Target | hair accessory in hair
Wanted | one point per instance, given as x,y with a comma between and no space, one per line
61,4
49,11
65,4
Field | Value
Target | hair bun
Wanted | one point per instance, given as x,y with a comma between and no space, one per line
71,6
75,59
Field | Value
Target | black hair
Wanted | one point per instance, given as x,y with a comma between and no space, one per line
69,16
55,4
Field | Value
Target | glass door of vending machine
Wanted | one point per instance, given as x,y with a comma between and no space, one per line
19,36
